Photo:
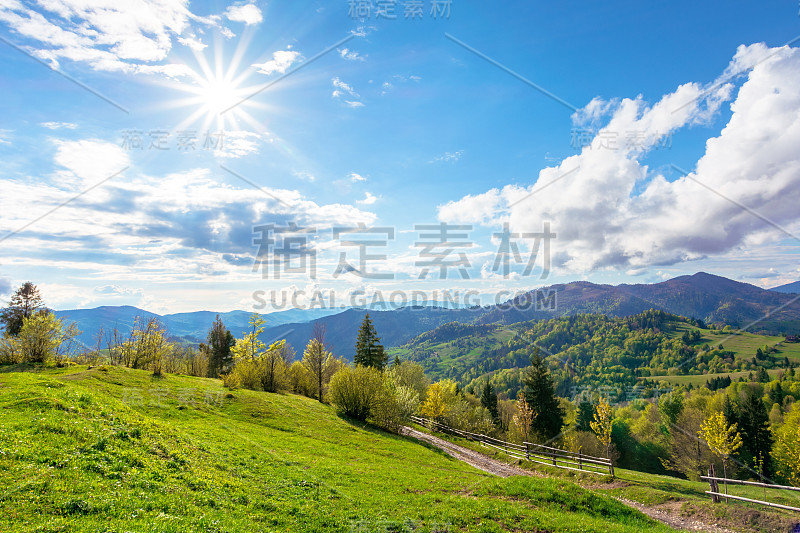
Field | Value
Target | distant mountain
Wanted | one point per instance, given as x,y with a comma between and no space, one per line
394,327
703,296
188,327
710,298
789,288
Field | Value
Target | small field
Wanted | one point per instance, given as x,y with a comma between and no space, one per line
114,450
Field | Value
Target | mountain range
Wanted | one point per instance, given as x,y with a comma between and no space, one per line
713,299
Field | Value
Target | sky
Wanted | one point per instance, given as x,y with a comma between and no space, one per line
181,156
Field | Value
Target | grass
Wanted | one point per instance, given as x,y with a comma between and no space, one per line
653,490
109,449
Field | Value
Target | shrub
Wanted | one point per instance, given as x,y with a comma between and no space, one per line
355,391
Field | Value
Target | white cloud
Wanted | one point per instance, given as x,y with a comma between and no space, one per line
615,212
58,125
192,42
4,134
90,160
354,177
350,55
369,199
249,14
280,62
306,176
237,144
341,89
131,37
450,157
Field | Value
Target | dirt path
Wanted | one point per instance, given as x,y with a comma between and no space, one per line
664,514
476,459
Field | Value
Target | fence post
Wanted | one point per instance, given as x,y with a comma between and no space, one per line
713,483
580,465
527,451
554,458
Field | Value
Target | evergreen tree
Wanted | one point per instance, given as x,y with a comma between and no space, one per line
730,410
218,348
25,303
489,400
369,350
585,416
548,416
754,427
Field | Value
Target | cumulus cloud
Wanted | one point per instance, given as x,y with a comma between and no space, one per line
89,160
174,226
280,62
249,14
355,177
369,199
610,210
116,36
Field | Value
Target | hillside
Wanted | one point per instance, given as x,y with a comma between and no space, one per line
112,449
789,288
591,351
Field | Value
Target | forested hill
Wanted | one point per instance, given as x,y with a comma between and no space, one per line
591,350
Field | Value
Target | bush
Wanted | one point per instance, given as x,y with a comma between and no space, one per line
355,391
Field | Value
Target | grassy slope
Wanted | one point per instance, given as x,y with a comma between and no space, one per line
117,450
687,498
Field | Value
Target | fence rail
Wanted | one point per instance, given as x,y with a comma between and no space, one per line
536,453
716,495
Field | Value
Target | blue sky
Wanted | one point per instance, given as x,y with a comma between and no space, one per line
655,138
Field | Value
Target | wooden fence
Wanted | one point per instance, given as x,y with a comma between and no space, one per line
536,453
716,495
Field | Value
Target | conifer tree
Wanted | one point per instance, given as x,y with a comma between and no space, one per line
369,350
541,397
25,303
220,341
489,400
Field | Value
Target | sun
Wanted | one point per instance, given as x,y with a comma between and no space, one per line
218,96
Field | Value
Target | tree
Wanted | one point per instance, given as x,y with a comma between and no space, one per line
670,407
43,337
602,424
25,303
585,416
317,360
540,395
754,428
687,454
250,347
410,374
787,446
218,347
145,347
489,399
369,351
273,365
523,418
722,437
435,405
